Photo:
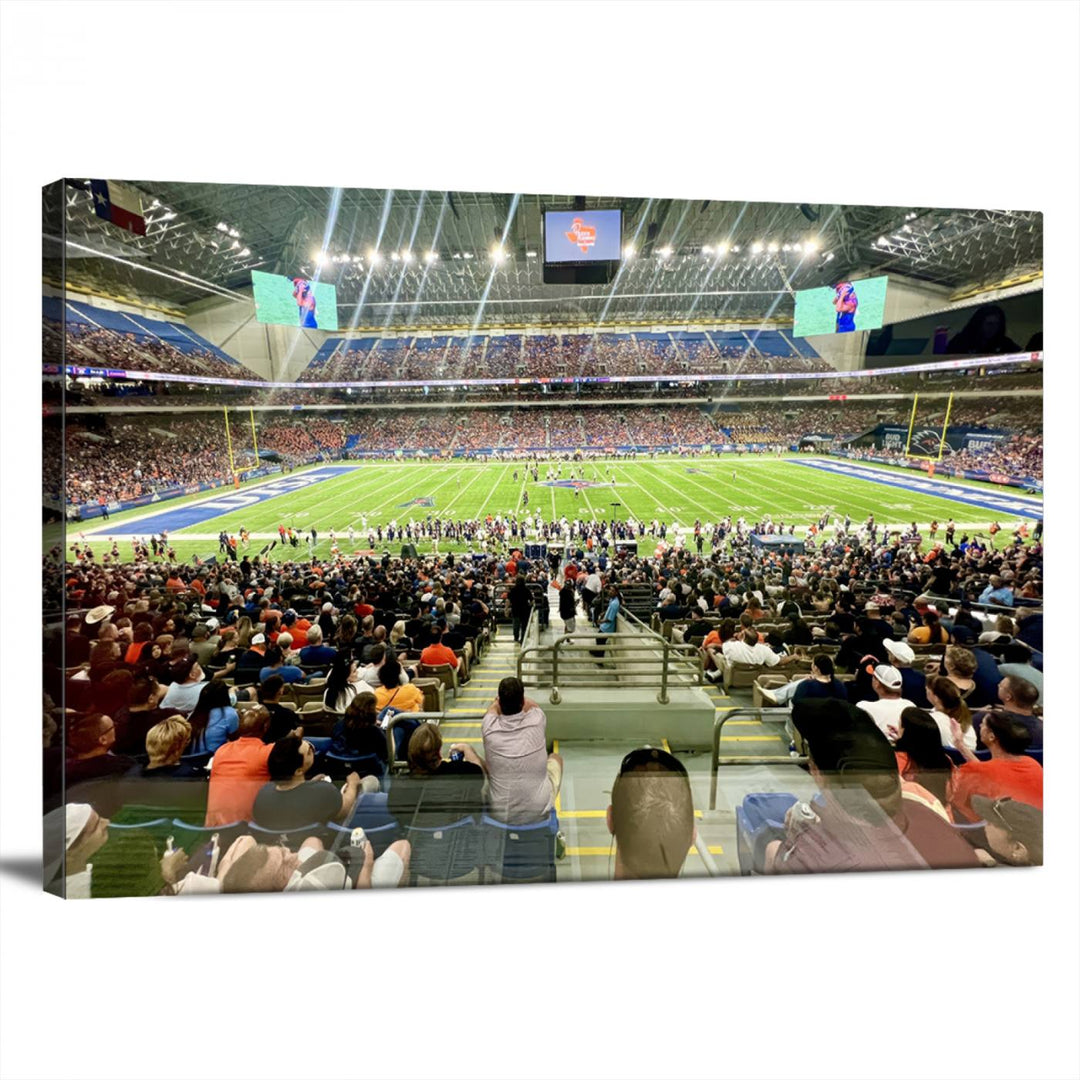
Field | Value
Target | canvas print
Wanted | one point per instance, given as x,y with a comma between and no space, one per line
398,538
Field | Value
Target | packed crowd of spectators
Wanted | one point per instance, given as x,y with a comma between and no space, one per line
547,356
127,458
152,730
98,347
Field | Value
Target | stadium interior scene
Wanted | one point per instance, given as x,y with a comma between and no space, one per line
399,538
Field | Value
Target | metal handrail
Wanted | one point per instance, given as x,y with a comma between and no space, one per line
1031,608
749,759
425,718
625,642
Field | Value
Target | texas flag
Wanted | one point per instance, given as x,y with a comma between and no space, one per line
118,204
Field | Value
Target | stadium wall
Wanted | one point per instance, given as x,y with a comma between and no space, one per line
277,353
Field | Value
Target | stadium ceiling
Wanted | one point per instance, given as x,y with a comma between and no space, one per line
692,260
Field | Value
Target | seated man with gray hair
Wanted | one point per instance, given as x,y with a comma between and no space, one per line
315,652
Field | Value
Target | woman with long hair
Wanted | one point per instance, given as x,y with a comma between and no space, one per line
214,720
245,632
947,705
342,684
921,757
346,634
357,733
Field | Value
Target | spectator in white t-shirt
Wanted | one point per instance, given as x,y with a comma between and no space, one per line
887,683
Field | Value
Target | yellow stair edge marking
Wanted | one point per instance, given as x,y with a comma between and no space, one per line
460,723
753,738
462,738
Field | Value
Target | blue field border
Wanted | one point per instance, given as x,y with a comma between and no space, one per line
183,517
924,485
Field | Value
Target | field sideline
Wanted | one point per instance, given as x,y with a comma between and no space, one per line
676,491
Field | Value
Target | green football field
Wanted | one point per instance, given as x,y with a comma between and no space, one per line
676,491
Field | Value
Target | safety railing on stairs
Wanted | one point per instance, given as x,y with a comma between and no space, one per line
608,660
788,758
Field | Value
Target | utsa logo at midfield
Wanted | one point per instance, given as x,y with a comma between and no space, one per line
577,485
422,500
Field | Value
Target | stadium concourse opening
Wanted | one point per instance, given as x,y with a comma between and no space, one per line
651,540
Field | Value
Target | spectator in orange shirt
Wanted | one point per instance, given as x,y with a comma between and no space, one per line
1009,772
174,584
437,652
143,633
239,769
713,644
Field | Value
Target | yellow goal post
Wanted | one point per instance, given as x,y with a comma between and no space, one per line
944,432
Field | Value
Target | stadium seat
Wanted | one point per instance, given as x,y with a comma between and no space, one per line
767,682
291,838
758,820
380,835
445,853
445,673
434,694
519,853
338,766
741,676
302,693
190,836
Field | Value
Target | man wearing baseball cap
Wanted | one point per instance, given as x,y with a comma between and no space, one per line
885,710
1014,830
863,820
902,656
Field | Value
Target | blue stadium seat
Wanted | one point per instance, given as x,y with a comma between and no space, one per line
380,835
759,819
192,837
291,838
340,765
520,852
444,853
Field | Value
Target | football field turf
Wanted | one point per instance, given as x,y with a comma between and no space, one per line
674,490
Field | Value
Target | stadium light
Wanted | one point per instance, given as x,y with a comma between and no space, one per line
882,241
810,247
530,254
457,254
829,257
735,248
431,256
232,232
664,253
394,256
246,252
774,247
706,250
407,256
374,257
319,257
757,247
467,255
721,249
222,227
628,252
796,246
497,254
